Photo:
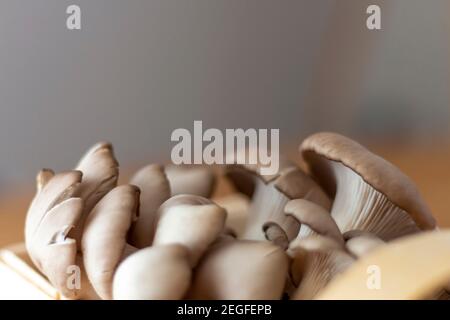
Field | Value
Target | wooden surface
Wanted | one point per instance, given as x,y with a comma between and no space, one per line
428,167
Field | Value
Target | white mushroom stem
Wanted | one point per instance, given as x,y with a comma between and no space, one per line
358,205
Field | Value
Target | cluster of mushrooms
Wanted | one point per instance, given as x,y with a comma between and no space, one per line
162,237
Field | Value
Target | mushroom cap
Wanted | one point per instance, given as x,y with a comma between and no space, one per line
290,180
412,267
105,235
155,189
195,180
237,206
315,217
50,247
359,243
374,170
154,273
192,221
240,269
100,173
51,190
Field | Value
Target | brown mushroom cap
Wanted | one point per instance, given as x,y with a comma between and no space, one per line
51,190
100,173
192,221
374,170
105,235
50,248
240,269
155,189
271,193
315,218
154,273
53,214
412,267
194,180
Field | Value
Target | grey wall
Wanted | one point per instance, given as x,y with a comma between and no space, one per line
139,69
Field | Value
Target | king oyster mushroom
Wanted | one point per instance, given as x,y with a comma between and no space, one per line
316,260
240,269
413,267
155,189
100,173
194,180
104,242
154,273
266,218
189,220
370,194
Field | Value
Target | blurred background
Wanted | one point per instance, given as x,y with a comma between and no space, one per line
137,70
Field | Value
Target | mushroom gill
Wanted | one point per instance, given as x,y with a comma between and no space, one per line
370,194
316,260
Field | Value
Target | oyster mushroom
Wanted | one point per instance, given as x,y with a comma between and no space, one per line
155,189
154,273
370,194
52,215
104,242
100,173
360,243
189,220
313,219
412,267
236,205
195,180
270,194
316,260
240,269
